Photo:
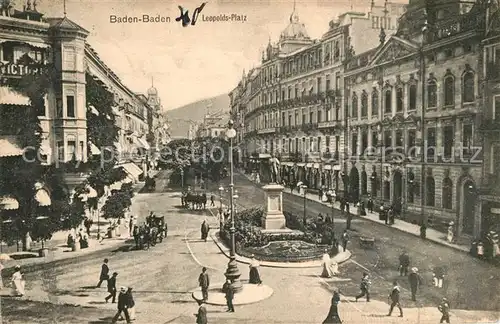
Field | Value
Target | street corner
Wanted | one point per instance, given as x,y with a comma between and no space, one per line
250,294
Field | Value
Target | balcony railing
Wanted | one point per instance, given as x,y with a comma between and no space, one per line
330,124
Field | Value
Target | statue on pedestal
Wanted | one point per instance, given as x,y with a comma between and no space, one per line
274,162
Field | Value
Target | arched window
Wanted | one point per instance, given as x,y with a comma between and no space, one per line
411,187
364,183
354,105
388,101
431,94
468,90
374,184
449,91
364,104
375,103
387,190
412,97
430,188
399,99
447,193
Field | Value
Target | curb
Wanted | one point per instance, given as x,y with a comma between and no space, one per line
208,302
339,258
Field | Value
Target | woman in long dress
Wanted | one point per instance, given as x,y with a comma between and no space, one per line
17,282
254,277
1,280
333,314
330,268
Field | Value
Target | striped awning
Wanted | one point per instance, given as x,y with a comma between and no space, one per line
9,146
11,97
8,203
131,169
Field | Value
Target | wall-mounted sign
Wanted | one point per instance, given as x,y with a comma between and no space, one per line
19,70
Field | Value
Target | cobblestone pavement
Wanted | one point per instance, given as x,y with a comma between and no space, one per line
163,277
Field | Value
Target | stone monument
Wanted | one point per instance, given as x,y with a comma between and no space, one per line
274,218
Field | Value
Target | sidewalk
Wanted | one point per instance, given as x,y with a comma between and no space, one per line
432,234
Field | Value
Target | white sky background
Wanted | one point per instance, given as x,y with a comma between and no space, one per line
195,62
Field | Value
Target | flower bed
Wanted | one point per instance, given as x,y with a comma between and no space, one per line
314,237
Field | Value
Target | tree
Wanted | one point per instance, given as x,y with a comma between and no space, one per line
118,202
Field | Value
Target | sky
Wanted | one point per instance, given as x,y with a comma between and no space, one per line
190,63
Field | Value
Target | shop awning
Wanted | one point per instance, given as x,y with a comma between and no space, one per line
301,164
9,146
8,203
287,163
327,167
11,97
131,169
43,198
94,149
316,165
143,144
336,168
264,156
309,165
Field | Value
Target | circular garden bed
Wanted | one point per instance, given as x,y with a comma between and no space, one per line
284,251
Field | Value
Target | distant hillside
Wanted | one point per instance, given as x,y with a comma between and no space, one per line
178,117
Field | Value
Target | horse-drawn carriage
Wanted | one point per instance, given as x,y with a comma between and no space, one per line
194,201
153,231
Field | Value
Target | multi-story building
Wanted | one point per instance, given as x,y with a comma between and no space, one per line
292,103
413,103
213,125
30,43
489,193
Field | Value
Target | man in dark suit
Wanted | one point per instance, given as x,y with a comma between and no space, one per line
112,288
104,273
204,282
394,296
228,290
123,300
404,264
201,316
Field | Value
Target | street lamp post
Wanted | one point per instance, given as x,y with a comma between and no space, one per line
333,212
232,271
235,196
221,217
304,219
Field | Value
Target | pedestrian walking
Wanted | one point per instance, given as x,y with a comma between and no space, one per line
204,282
212,201
345,240
112,288
1,280
131,225
137,236
205,228
228,290
390,216
370,204
254,275
104,273
404,264
18,282
130,304
444,308
333,315
122,306
394,297
365,287
201,316
415,282
438,277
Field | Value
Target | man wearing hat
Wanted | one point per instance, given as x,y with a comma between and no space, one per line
444,308
415,282
394,297
364,287
112,288
204,282
201,316
404,264
123,303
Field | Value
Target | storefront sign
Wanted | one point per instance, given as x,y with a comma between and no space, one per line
19,70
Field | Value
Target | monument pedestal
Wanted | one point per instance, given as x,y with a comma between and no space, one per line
274,218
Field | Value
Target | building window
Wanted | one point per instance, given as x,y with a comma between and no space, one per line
468,94
327,143
328,85
388,101
374,184
296,117
364,141
412,148
374,139
430,192
320,116
431,143
431,94
364,183
319,144
337,80
399,141
448,138
311,117
70,106
412,97
411,187
449,91
71,151
399,99
354,112
318,90
296,148
496,107
337,144
283,119
387,139
387,190
447,193
364,104
304,117
375,103
311,144
354,144
467,140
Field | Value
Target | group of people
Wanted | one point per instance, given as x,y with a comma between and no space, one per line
227,289
126,303
82,237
